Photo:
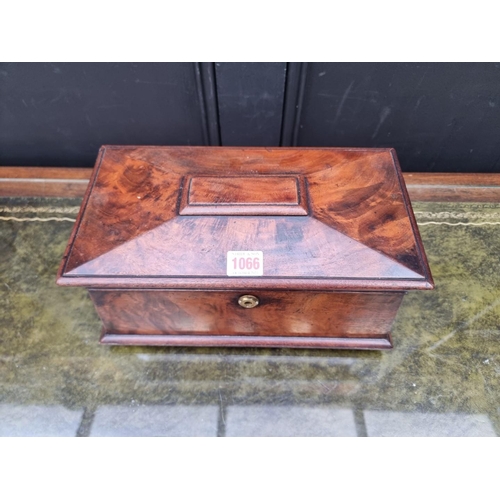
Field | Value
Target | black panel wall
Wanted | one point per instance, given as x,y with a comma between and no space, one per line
250,97
439,117
60,114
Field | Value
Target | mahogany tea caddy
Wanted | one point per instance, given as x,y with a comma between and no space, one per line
265,247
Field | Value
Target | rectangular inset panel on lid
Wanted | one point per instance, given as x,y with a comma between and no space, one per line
243,195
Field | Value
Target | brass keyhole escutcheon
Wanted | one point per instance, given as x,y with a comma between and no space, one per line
248,301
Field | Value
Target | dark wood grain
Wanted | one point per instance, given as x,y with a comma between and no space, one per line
212,312
364,201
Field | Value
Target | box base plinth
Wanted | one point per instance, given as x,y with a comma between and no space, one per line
375,343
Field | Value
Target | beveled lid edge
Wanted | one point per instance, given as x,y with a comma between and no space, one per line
348,284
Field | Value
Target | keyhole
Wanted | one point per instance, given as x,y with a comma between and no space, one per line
248,301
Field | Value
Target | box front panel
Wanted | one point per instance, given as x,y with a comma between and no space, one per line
247,313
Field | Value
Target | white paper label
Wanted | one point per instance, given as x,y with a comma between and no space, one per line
245,263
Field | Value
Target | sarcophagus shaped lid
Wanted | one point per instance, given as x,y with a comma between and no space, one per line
214,217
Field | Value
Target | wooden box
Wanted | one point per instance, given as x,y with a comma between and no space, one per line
267,247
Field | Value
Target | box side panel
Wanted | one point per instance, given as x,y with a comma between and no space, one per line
216,313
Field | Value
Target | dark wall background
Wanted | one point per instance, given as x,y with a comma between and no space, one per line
442,117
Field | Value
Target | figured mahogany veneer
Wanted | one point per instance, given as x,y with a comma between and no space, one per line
153,233
245,195
218,313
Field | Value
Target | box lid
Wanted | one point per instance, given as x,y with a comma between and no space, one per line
166,217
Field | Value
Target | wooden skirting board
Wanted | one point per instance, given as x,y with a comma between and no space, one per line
72,183
453,187
52,182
